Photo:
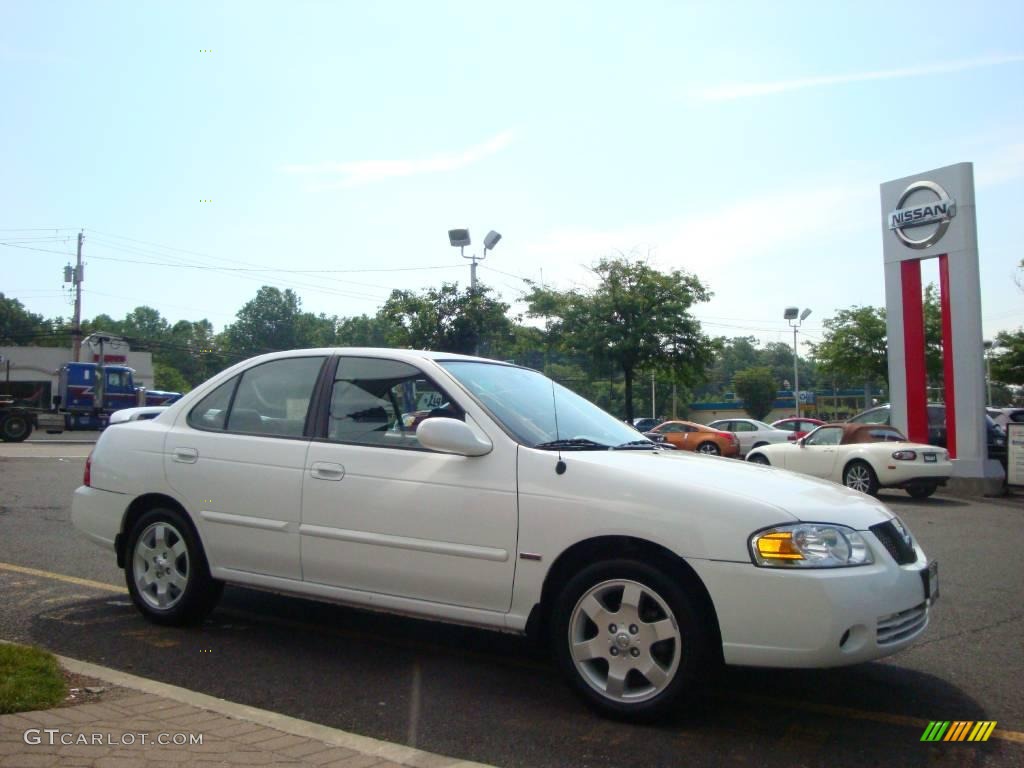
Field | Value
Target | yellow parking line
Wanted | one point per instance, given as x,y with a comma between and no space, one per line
61,577
823,709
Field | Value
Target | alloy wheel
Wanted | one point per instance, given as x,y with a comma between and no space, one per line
624,641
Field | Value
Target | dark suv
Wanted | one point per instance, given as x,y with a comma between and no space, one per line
937,427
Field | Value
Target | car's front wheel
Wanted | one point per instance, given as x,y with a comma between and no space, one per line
629,639
758,458
166,570
859,476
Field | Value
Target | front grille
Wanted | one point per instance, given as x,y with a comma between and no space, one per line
902,552
900,626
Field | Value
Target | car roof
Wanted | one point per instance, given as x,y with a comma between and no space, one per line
861,433
408,355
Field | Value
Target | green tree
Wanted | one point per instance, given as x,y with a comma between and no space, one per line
168,379
757,388
18,326
636,318
1007,361
267,323
448,320
854,348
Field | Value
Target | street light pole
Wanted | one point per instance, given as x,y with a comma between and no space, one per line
459,238
795,318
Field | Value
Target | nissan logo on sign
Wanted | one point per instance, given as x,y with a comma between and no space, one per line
929,207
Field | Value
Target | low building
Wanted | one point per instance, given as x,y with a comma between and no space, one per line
30,374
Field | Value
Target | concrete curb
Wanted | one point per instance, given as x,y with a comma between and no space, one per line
385,750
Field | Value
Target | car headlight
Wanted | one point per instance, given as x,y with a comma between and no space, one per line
809,545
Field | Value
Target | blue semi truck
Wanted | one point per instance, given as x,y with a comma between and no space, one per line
88,393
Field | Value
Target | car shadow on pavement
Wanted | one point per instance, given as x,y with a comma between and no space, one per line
489,696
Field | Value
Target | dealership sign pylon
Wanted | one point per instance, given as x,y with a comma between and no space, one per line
931,216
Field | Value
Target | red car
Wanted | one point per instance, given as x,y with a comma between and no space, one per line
798,426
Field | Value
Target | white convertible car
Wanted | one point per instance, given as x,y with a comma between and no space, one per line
477,492
864,457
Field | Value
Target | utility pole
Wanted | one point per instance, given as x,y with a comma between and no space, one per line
77,323
654,413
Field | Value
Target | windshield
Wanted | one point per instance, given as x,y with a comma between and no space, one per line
524,401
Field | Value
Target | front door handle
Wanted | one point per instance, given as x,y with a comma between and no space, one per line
323,470
186,455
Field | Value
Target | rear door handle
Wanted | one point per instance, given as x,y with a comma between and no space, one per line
323,470
186,455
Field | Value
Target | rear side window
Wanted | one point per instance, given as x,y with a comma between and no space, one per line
880,416
212,411
273,398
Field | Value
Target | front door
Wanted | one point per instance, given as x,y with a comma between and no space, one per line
382,514
817,455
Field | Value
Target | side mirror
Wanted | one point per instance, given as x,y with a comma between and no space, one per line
451,436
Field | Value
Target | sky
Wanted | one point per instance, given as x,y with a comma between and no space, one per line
744,142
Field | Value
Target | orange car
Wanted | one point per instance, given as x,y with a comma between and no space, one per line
688,436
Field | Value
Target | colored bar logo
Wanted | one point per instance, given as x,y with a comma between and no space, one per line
958,730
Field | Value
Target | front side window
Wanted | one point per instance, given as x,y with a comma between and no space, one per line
825,436
789,426
383,402
273,398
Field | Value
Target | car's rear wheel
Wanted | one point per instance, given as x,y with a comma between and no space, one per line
629,639
166,570
859,476
922,491
709,448
15,428
758,458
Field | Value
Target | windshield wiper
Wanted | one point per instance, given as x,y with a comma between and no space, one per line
635,445
573,443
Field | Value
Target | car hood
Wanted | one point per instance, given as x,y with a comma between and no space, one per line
788,495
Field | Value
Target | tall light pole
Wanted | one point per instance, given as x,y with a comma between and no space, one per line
795,318
459,238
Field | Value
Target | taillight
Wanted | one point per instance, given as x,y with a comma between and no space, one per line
87,474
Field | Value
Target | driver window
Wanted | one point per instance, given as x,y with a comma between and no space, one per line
382,402
825,436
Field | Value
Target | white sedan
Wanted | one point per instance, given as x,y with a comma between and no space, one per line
864,457
752,433
471,491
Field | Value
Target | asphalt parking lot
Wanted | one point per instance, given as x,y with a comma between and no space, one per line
493,698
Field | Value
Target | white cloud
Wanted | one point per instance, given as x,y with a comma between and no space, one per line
733,91
354,173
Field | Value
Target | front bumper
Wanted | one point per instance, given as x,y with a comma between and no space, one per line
98,514
824,617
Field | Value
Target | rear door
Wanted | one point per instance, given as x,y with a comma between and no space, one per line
236,458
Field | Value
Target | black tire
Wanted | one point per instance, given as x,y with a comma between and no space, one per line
859,476
709,448
755,446
922,491
15,428
179,564
759,458
680,660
